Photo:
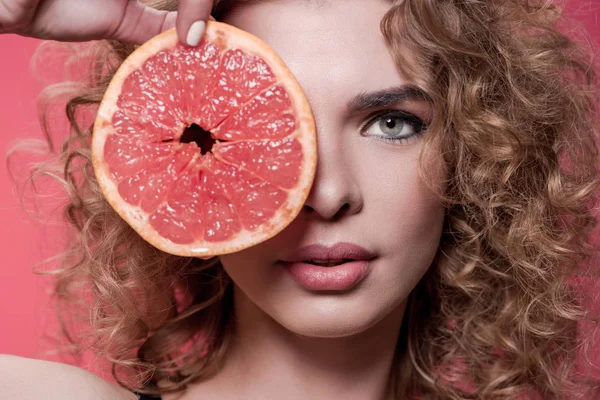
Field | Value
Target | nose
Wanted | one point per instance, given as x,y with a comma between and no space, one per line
335,192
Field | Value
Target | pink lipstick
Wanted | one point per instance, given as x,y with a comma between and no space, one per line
340,267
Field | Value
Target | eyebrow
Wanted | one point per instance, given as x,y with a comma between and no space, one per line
386,97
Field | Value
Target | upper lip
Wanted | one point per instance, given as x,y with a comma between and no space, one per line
337,252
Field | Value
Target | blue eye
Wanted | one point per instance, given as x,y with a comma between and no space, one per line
395,125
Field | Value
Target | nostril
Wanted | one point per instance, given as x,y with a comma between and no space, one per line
343,210
332,214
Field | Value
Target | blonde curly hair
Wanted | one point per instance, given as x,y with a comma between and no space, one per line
496,315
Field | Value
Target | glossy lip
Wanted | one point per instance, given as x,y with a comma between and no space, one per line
338,252
354,265
341,277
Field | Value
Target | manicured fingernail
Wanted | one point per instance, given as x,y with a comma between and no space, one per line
195,33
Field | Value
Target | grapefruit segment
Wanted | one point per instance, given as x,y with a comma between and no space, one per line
207,150
222,221
265,116
255,200
278,162
260,199
180,219
149,187
129,155
198,70
144,103
241,76
124,125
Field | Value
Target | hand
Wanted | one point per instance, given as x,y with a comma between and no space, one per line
81,20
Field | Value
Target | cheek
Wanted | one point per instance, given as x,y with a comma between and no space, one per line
404,215
241,266
407,220
395,192
251,269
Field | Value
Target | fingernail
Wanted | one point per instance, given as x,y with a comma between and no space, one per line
195,33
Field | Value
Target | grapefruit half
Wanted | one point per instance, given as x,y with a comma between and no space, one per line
208,150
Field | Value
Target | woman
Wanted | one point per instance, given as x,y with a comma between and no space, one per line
456,153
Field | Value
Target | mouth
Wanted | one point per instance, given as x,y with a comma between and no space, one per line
328,274
324,256
328,263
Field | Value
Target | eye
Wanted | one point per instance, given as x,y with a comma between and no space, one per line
394,125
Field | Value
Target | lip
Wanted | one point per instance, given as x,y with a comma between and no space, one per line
355,267
340,277
337,252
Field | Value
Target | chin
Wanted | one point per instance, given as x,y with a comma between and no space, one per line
329,321
326,329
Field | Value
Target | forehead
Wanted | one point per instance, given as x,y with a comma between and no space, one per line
333,47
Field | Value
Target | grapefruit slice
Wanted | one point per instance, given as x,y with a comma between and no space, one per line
208,150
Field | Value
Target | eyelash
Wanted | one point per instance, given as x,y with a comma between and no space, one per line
417,123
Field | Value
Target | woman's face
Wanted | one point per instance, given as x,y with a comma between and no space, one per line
367,189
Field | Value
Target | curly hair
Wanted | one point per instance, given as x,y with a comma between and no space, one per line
497,314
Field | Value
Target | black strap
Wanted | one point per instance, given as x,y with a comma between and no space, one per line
147,397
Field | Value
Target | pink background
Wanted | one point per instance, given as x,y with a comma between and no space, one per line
25,313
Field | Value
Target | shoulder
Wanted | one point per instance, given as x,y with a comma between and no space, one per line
26,378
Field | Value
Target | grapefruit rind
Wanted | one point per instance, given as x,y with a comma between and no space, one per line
226,37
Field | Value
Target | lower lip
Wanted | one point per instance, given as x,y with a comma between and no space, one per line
340,277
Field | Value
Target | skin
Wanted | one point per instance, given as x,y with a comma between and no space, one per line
367,191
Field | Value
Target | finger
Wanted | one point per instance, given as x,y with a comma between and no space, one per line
16,15
191,20
140,23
